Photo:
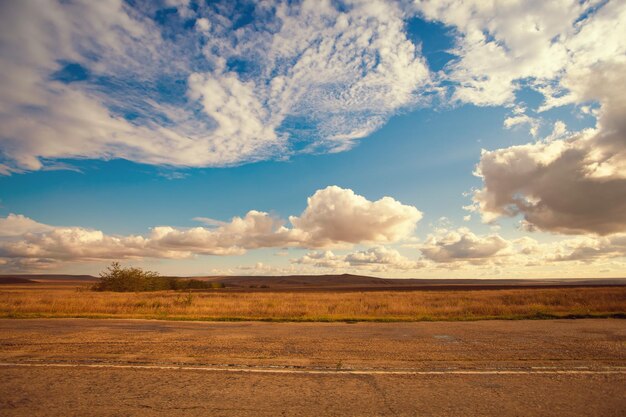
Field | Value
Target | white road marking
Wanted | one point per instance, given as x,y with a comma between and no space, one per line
607,370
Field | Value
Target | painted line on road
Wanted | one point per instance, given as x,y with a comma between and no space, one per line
601,371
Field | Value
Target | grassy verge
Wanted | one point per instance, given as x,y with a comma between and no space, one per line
33,302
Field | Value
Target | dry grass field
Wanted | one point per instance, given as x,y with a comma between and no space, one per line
23,301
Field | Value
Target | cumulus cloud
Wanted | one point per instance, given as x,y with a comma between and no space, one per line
461,249
109,79
463,245
382,258
75,243
338,215
573,185
571,52
580,249
375,259
322,259
590,249
386,220
254,230
17,225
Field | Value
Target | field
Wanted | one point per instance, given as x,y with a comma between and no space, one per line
67,300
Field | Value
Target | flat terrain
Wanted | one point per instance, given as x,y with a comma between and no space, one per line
59,300
138,367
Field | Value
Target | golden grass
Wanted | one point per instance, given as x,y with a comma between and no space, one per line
28,301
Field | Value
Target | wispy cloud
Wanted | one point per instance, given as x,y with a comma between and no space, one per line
109,80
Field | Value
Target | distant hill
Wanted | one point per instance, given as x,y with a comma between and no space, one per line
302,280
365,283
343,282
47,278
15,280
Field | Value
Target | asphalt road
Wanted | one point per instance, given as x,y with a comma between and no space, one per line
62,367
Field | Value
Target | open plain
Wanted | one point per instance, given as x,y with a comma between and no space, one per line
60,367
319,298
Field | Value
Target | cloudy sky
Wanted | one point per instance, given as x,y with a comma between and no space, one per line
417,138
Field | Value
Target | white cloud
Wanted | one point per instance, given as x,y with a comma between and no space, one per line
322,259
573,185
381,258
335,215
463,250
503,43
572,53
26,245
254,230
375,259
522,119
75,243
463,245
585,249
237,93
591,249
358,220
17,225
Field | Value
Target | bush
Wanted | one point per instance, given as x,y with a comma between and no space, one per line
116,278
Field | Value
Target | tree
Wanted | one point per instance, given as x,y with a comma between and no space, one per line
117,278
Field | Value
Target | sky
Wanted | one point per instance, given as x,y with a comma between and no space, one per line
417,139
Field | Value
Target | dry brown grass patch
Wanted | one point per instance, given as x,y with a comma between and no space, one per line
50,301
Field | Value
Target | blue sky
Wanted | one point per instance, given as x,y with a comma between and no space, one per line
430,143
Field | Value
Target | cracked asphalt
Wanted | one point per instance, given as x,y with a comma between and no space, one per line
61,367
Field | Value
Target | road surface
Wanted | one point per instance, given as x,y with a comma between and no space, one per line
60,367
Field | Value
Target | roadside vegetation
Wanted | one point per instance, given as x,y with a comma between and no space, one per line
62,301
118,279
